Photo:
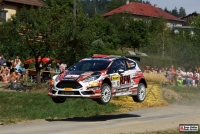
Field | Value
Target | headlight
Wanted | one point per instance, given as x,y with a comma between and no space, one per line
91,78
55,77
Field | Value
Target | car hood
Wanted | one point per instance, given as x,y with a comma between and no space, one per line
76,75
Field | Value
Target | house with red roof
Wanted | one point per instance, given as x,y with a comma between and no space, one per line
10,7
145,12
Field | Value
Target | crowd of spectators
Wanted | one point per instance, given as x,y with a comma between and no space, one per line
12,70
179,76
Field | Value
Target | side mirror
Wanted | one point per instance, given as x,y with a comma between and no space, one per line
120,71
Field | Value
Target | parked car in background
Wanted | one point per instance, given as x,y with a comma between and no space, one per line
100,78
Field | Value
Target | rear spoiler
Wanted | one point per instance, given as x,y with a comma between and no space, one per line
134,58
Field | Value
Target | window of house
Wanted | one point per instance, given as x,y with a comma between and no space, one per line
3,15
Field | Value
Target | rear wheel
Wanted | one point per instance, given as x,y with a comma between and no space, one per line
59,100
141,93
105,94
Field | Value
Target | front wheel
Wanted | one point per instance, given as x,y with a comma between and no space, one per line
105,94
141,93
59,100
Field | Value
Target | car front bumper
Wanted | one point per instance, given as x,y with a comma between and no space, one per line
83,92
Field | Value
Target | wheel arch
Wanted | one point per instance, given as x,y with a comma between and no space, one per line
144,82
107,80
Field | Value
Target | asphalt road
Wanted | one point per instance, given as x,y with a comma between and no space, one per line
140,120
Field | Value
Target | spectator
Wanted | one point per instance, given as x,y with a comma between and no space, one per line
5,76
153,70
15,76
17,62
9,63
12,68
178,74
163,71
26,65
2,60
147,70
173,73
184,76
195,79
167,72
62,67
189,77
179,81
57,67
170,77
22,71
4,72
49,67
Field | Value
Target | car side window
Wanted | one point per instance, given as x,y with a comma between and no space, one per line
130,64
86,67
116,65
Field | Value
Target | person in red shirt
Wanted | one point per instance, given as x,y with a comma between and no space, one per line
173,71
195,78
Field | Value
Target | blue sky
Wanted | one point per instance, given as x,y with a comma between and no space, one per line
189,5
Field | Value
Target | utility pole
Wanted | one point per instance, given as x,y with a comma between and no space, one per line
163,45
74,10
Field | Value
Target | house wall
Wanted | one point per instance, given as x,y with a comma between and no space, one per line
169,22
11,10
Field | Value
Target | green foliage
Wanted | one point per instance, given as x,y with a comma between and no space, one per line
31,106
115,4
131,33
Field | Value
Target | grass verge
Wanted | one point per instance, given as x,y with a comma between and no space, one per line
186,95
20,106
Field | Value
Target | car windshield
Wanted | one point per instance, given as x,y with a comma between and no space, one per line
90,65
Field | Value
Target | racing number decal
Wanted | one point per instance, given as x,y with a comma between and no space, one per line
125,80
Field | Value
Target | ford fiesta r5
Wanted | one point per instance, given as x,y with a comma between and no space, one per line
100,78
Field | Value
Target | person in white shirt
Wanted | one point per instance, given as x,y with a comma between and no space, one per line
184,77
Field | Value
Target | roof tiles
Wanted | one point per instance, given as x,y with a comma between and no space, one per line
142,10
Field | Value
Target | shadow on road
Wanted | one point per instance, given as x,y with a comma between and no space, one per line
97,118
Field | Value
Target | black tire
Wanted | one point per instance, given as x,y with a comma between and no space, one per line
141,93
59,100
105,94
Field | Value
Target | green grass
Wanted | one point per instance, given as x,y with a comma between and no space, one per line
20,106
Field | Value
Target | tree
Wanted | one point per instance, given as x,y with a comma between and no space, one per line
175,12
113,4
36,30
158,33
166,10
131,33
105,31
182,12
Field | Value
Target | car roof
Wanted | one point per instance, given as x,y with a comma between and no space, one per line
103,57
109,57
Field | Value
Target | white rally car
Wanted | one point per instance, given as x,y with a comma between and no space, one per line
100,78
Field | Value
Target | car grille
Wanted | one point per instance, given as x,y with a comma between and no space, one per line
69,84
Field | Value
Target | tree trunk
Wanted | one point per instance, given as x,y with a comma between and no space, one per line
38,78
